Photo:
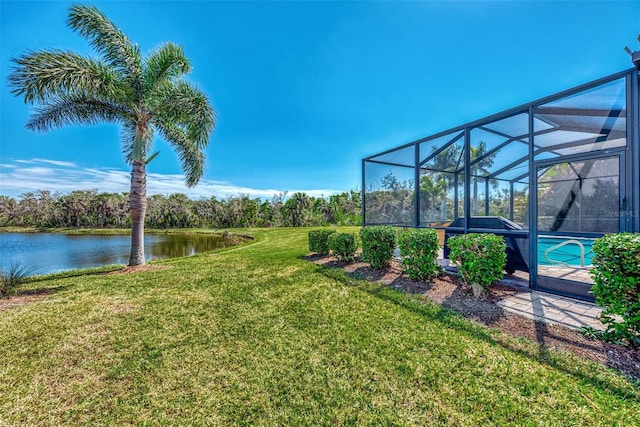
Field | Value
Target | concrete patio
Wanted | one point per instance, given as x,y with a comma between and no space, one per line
553,309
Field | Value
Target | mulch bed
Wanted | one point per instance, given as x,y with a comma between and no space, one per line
452,293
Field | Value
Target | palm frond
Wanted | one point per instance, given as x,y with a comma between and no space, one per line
41,75
166,63
68,88
127,140
191,156
130,147
74,110
151,157
109,40
186,106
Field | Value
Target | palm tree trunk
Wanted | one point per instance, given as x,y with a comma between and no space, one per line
474,207
138,209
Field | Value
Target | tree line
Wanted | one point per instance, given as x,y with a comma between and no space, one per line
91,209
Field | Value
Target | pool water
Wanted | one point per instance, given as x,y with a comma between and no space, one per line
552,251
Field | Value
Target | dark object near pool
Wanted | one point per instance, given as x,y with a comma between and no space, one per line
517,247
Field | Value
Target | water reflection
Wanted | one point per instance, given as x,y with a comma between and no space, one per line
178,245
48,252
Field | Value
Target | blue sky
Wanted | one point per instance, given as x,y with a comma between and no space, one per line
303,90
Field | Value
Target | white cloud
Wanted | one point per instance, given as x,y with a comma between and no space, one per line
56,163
34,172
65,177
48,162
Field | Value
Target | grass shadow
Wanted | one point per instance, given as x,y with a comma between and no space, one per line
364,273
21,297
451,319
92,271
39,291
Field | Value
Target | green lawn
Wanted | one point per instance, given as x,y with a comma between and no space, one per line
255,335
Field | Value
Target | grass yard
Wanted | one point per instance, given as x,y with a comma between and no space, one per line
255,335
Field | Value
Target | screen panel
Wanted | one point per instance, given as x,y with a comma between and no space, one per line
389,194
590,120
442,180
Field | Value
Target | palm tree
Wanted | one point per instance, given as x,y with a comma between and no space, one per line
480,164
143,95
430,191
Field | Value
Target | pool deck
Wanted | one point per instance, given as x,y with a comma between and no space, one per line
553,309
579,274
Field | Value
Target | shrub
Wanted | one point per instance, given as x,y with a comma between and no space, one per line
12,276
343,246
480,257
318,241
419,251
378,244
616,276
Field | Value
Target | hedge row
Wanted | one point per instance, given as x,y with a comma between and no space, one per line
378,244
319,241
616,276
419,252
342,245
481,258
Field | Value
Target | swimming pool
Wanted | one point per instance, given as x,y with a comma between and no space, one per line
564,251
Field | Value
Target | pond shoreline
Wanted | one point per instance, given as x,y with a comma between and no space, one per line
47,251
108,231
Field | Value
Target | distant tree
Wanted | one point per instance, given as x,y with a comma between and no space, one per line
8,211
445,169
447,166
266,214
390,202
390,183
107,209
296,210
75,206
430,191
481,161
48,209
28,209
179,210
88,208
156,216
144,95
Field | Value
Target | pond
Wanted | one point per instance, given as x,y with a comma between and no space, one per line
44,253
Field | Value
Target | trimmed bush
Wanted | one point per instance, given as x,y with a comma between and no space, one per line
378,244
616,274
419,251
343,246
480,257
12,276
319,241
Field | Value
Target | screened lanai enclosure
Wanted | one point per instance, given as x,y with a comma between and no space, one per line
550,176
